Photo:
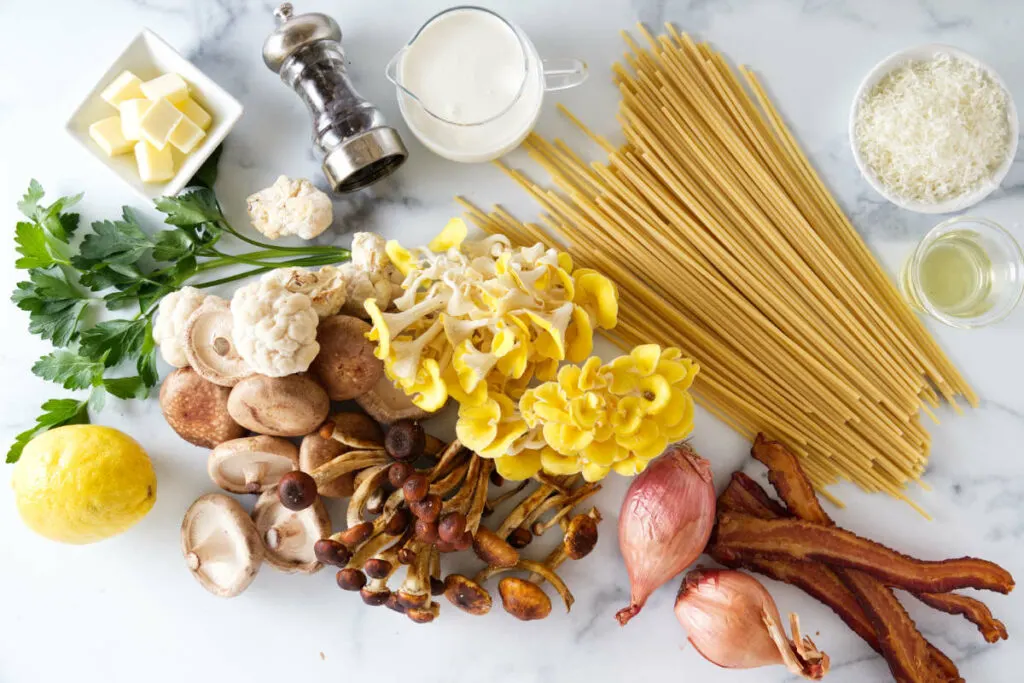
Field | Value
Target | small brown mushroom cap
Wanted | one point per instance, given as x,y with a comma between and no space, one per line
424,615
467,594
293,405
580,536
210,348
524,599
386,403
251,464
345,365
357,431
289,536
493,549
315,451
197,409
221,545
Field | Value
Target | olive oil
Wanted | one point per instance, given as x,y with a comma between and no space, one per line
955,275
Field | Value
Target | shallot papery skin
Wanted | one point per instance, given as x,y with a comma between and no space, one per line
732,621
665,522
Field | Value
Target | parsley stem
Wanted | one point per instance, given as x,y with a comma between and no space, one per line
224,225
233,278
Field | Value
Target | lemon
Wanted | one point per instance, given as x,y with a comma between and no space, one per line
83,483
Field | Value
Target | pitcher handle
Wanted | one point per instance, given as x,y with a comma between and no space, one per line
560,74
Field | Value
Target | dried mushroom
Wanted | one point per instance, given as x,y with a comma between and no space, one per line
289,536
252,464
197,409
221,545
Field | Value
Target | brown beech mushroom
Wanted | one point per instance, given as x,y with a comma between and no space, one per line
581,534
314,451
467,594
293,405
289,536
386,403
405,440
197,409
345,365
252,464
493,549
355,430
221,545
424,615
524,601
210,348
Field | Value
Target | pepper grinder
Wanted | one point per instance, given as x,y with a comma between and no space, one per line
358,148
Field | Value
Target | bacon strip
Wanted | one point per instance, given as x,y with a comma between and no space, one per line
973,610
817,580
742,535
796,491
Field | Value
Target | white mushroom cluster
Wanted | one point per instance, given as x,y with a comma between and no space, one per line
290,207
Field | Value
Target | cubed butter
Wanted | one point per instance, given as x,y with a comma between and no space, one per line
155,165
132,112
125,87
107,134
186,135
171,87
191,109
158,121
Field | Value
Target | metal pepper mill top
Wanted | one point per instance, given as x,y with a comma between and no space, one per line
358,147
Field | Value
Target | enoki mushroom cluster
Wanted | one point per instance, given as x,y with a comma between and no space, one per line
416,499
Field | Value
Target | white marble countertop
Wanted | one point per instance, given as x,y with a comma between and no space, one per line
127,610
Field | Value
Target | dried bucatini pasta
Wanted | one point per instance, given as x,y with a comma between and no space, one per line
724,241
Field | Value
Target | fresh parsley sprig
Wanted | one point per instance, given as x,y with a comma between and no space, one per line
120,265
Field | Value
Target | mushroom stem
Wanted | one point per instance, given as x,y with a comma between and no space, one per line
479,501
493,503
446,484
434,445
560,553
542,569
370,548
415,590
345,463
561,484
277,536
253,474
216,547
567,504
461,500
448,460
375,476
524,509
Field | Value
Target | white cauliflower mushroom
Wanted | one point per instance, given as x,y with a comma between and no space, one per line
326,288
290,207
169,328
370,275
274,329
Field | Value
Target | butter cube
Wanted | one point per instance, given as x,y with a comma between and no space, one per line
107,134
171,87
132,112
125,87
155,165
191,109
186,135
158,121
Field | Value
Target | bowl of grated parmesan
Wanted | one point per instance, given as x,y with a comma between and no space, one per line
933,129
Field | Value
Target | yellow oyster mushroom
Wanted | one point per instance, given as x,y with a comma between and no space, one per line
593,472
565,261
646,442
622,375
657,393
471,365
567,439
550,341
429,389
555,463
517,467
400,256
630,467
590,377
628,415
604,452
451,381
546,370
507,433
579,337
380,332
568,379
682,428
598,296
587,410
478,425
451,237
645,358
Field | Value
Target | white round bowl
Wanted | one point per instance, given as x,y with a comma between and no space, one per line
923,52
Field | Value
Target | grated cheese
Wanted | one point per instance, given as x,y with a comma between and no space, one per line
933,130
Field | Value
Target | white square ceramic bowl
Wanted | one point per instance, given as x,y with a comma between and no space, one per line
149,56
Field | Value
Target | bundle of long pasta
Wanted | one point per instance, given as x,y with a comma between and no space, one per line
725,242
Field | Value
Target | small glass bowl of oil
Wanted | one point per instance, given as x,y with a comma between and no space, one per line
967,272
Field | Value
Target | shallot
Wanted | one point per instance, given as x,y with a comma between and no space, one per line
732,621
665,522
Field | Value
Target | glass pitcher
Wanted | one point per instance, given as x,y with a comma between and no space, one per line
470,84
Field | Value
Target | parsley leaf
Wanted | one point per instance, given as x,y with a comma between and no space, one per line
30,202
193,207
171,245
56,413
55,305
69,369
36,249
114,243
114,340
127,388
146,363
